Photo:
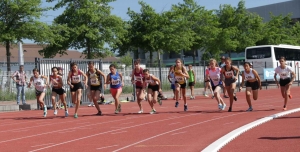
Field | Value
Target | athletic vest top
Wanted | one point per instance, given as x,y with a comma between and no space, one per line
149,80
138,77
39,83
52,77
75,78
179,78
284,73
250,75
94,78
215,76
229,73
192,78
115,80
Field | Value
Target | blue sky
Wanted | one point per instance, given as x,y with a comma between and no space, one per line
120,7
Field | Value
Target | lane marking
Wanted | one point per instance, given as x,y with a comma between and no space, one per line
174,123
179,133
118,132
42,145
106,147
228,123
164,133
46,133
221,142
106,132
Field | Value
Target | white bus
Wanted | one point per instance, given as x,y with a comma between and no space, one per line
267,56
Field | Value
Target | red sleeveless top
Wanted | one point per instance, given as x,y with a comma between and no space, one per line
138,77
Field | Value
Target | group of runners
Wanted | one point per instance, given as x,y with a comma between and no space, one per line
147,84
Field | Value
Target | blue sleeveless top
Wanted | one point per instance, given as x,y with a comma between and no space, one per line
115,80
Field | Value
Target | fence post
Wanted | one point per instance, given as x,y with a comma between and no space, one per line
36,64
102,80
239,81
159,66
298,72
266,79
133,85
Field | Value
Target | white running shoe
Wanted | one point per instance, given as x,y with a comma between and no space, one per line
141,111
55,112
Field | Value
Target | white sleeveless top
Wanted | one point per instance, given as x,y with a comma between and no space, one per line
150,80
215,75
39,83
250,75
284,73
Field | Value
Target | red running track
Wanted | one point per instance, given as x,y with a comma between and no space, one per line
278,135
171,129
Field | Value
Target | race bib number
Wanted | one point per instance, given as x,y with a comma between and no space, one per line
179,79
248,78
115,82
139,79
38,83
95,82
228,74
283,74
75,78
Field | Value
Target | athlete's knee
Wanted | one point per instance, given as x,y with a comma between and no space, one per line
248,93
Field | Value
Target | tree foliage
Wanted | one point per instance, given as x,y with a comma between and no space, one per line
89,27
239,28
19,20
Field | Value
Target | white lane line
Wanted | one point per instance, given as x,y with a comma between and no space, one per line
106,147
118,132
164,133
42,145
106,132
19,130
50,132
174,123
127,123
179,133
221,142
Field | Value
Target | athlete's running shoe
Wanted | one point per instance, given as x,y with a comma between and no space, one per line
141,111
176,104
75,116
235,98
249,109
66,113
99,113
153,111
223,107
185,108
45,111
55,112
229,109
159,101
220,106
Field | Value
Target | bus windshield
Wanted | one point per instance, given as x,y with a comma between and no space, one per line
258,53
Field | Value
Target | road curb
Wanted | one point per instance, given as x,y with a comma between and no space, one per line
221,142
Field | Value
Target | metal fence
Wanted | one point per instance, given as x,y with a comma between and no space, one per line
45,65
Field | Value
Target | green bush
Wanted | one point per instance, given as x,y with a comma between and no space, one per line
11,96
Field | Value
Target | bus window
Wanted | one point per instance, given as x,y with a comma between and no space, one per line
289,54
258,53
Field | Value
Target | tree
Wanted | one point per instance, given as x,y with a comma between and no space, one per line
126,60
240,28
280,30
157,32
202,22
19,20
90,26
